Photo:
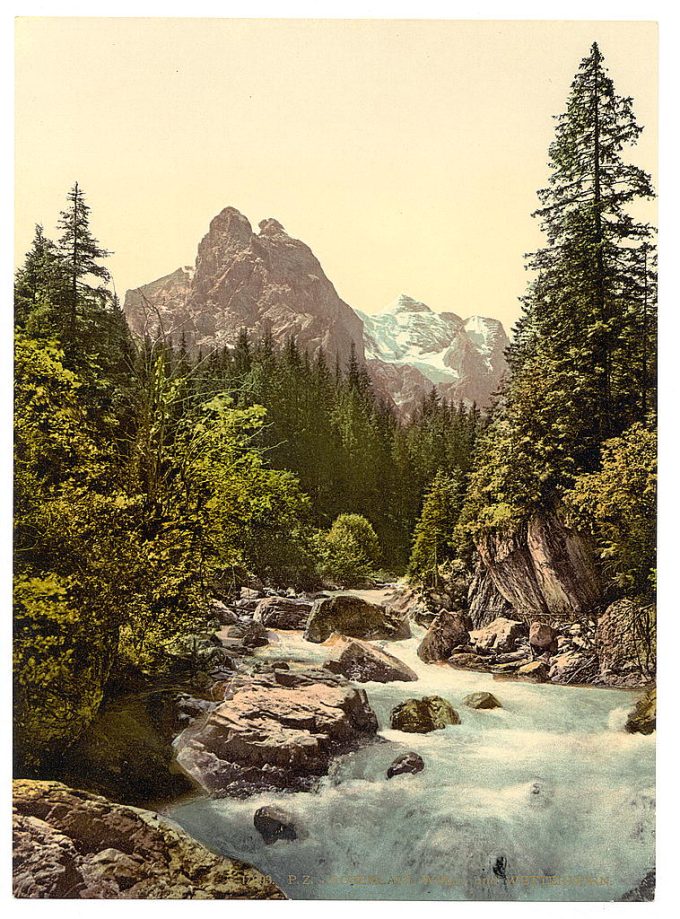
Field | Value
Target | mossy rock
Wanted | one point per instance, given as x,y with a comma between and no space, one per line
482,700
126,753
642,720
420,716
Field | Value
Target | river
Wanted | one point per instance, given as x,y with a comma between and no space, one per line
546,798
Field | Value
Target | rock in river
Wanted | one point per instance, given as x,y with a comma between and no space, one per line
481,700
361,662
408,763
642,720
447,632
420,716
273,823
275,729
283,613
355,617
72,844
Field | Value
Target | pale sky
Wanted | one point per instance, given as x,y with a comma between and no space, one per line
407,154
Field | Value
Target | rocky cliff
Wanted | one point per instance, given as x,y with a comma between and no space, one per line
268,282
264,282
543,569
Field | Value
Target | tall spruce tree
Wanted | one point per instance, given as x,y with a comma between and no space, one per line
584,350
80,253
583,309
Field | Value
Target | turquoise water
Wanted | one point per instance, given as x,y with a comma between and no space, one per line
549,791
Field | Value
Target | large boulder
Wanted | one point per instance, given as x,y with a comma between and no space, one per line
408,764
408,603
126,753
500,635
363,663
465,660
420,716
275,729
542,636
573,665
283,613
350,615
447,632
625,641
536,671
642,720
72,844
543,568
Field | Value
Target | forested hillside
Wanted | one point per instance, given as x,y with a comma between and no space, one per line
151,478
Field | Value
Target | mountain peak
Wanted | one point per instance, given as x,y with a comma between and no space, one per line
271,227
406,304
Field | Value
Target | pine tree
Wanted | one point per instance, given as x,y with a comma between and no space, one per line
433,536
40,278
578,310
80,253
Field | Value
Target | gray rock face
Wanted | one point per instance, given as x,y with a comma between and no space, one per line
485,602
276,729
544,568
71,844
363,663
447,632
283,613
264,282
349,615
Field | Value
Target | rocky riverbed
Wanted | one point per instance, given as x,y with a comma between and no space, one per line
347,751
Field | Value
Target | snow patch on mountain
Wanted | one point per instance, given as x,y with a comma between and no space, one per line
464,359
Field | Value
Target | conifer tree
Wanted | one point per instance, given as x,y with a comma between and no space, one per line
432,543
581,310
80,253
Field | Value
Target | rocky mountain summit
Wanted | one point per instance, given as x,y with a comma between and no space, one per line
410,348
269,283
266,282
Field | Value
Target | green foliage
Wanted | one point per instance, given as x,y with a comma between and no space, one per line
617,504
433,536
584,351
346,447
349,551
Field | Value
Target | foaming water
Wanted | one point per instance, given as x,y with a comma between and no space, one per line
547,798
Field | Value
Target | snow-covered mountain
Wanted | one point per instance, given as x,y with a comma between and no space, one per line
269,282
409,348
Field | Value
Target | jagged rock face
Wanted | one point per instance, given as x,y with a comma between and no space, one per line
485,602
544,569
410,349
72,844
264,282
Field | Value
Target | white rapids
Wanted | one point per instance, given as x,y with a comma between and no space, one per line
547,798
